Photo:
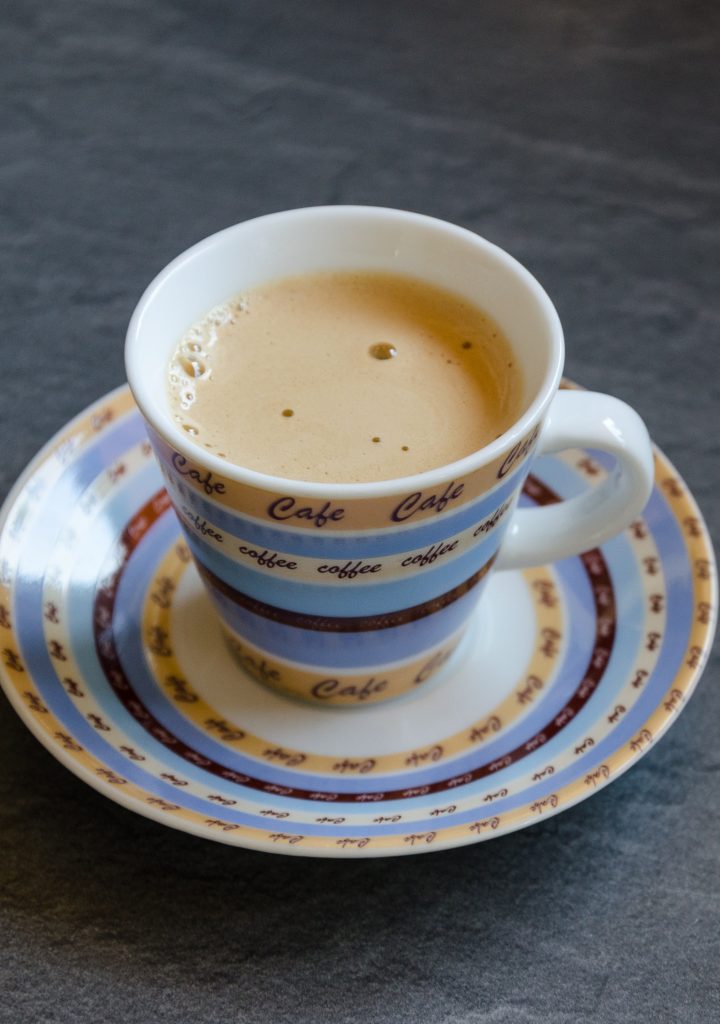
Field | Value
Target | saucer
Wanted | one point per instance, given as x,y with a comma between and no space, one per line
111,655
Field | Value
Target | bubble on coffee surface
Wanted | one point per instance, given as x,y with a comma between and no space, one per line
187,397
383,350
193,366
190,361
288,412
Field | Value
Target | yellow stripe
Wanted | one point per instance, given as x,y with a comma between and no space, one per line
345,514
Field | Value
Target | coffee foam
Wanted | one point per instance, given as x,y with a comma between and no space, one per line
345,377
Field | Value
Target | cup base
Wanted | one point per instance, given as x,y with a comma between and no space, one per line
324,688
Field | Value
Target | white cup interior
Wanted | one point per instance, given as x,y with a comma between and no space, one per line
339,238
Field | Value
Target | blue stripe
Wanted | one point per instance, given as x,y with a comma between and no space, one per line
348,650
364,544
344,597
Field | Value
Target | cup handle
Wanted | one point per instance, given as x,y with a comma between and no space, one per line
584,419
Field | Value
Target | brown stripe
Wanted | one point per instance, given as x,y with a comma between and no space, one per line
344,623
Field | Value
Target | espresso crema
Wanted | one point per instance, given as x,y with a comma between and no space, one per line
345,377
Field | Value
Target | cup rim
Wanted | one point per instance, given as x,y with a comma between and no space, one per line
146,400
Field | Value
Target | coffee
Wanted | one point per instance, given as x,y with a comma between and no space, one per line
345,377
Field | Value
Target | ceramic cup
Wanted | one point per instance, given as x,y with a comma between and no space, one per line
353,593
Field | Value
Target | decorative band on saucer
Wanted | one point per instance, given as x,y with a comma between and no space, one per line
604,600
159,651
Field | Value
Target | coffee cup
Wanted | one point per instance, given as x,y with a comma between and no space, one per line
345,594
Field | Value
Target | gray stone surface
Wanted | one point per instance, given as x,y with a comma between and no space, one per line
580,136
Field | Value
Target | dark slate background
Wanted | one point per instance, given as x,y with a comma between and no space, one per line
580,136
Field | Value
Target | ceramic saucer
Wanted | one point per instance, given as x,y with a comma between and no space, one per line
111,656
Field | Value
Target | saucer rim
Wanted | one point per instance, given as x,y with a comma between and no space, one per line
691,677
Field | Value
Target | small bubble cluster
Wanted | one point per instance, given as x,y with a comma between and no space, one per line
193,365
190,361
